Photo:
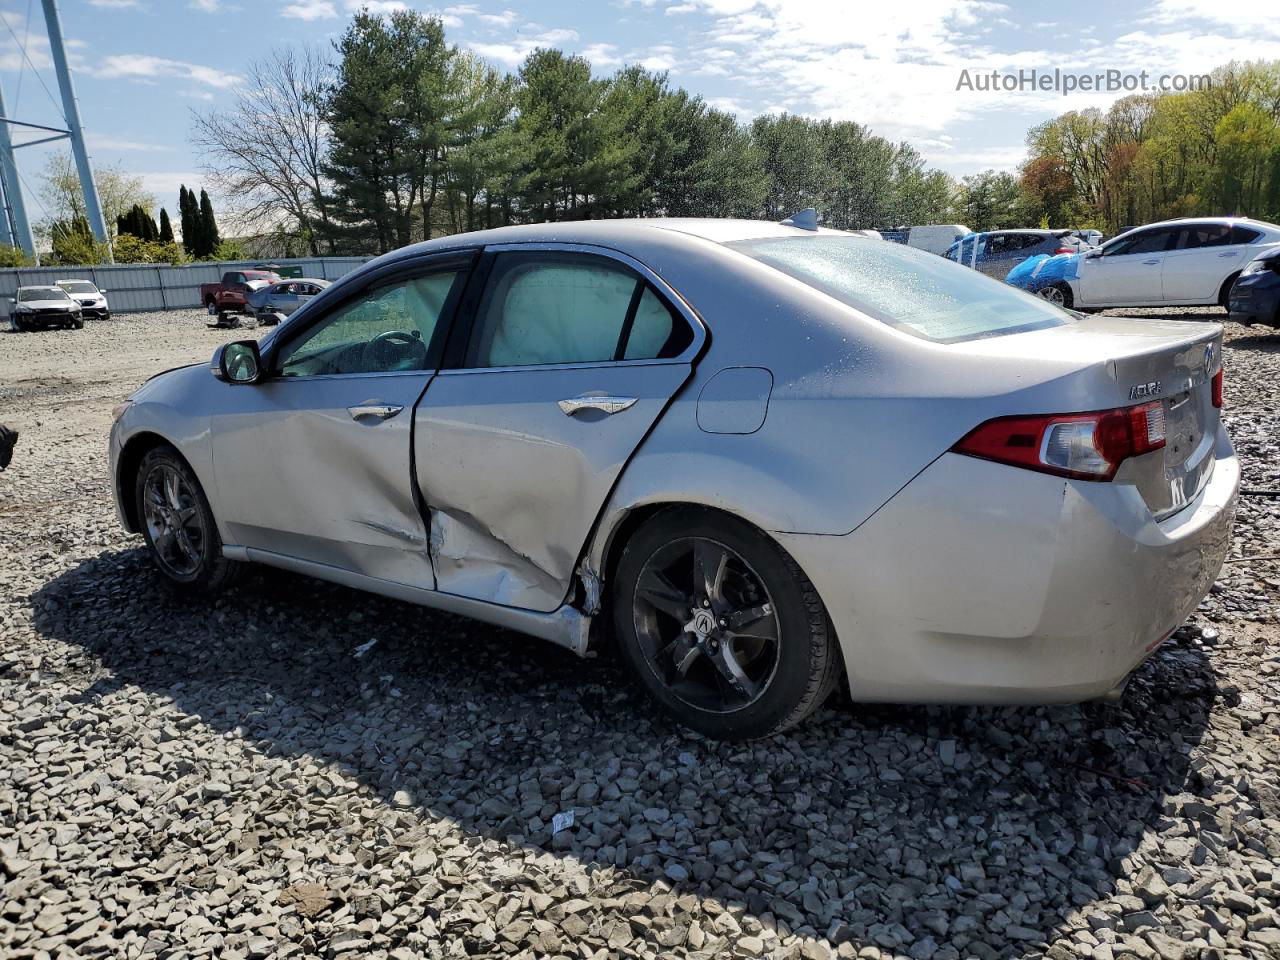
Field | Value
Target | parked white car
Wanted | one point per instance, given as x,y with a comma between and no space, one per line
93,302
1187,262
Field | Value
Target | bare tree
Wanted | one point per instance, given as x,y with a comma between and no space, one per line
265,151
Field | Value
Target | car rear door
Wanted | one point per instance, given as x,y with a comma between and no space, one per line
1202,259
571,355
1127,270
315,462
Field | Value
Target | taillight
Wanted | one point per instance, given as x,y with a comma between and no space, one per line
1217,388
1087,446
1065,250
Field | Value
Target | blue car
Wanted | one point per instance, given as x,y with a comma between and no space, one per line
1255,296
1047,277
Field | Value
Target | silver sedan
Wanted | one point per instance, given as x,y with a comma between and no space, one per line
764,459
271,301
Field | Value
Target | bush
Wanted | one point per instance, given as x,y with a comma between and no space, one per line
14,257
131,249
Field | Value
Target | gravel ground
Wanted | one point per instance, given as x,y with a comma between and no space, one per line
245,777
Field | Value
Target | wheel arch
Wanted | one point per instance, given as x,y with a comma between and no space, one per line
1224,292
131,456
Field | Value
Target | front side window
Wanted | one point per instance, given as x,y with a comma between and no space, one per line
387,329
1150,241
553,308
905,288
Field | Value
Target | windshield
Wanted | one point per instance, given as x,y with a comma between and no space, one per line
919,293
80,287
27,294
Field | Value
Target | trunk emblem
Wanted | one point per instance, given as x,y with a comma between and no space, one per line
1141,391
1208,360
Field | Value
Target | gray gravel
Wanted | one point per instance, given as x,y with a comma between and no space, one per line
248,777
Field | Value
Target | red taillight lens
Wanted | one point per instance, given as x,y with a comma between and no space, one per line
1065,250
1088,446
1217,388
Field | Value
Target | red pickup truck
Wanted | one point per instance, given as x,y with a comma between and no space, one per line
227,297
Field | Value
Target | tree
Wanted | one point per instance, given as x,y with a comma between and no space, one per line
189,214
14,257
73,244
63,199
166,228
137,222
207,238
989,200
267,148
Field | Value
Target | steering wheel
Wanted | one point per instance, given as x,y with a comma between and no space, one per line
396,350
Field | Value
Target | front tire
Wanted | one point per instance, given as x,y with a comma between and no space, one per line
1224,295
720,626
178,525
1058,294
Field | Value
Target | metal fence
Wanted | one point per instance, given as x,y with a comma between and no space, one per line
149,286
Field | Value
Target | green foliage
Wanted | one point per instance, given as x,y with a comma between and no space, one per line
206,227
137,222
130,248
73,244
1214,151
14,257
166,228
427,139
189,214
229,250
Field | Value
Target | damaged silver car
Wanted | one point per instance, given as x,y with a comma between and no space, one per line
764,458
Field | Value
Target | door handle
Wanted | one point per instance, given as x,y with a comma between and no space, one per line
379,411
606,405
1151,263
1229,253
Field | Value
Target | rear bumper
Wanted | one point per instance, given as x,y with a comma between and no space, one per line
981,583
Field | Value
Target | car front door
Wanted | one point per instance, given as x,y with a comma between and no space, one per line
1202,259
283,298
315,461
1127,270
572,355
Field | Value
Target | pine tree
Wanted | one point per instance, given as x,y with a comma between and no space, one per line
207,232
166,228
188,214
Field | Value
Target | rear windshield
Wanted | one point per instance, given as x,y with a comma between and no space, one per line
42,293
917,292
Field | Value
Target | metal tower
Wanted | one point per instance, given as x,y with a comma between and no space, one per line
16,228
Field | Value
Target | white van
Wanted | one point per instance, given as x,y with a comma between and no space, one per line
936,237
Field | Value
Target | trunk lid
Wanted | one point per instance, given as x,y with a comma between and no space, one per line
1125,361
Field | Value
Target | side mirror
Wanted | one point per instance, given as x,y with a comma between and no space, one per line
102,290
237,362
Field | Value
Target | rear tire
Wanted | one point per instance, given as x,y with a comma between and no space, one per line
738,654
178,525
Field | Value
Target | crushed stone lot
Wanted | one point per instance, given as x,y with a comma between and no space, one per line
246,777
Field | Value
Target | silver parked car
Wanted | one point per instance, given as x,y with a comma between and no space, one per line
997,252
273,300
40,308
768,456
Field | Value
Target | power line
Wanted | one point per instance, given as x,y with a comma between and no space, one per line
22,67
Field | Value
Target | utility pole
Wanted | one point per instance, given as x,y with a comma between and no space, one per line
70,106
17,229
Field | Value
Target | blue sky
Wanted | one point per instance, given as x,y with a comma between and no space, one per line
143,65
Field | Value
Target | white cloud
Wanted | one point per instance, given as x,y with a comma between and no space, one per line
310,10
115,4
377,7
514,52
206,6
602,55
144,67
101,142
504,19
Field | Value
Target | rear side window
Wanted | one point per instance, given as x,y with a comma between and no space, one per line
1244,235
1197,235
908,289
548,308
